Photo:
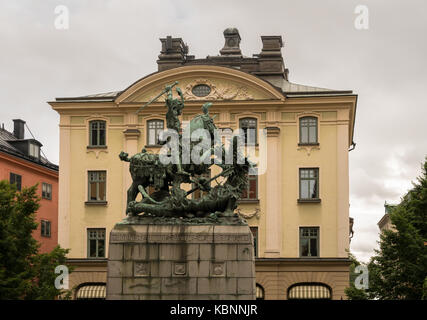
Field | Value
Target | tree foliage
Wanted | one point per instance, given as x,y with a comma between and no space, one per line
399,268
24,272
352,292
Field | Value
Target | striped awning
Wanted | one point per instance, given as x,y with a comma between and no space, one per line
91,291
309,291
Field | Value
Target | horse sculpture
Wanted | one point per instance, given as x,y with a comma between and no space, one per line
168,199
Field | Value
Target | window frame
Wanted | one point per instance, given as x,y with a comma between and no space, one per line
316,178
33,150
44,196
308,142
241,120
200,85
251,177
97,201
309,237
98,122
156,130
14,176
88,230
43,225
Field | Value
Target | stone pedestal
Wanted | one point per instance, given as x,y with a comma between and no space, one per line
169,261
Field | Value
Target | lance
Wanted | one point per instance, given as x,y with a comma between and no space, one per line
166,89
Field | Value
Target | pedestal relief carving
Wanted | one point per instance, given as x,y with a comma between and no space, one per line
141,269
180,268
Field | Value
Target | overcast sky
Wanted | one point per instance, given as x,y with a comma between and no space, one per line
110,44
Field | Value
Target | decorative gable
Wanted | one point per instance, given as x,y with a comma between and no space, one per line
210,83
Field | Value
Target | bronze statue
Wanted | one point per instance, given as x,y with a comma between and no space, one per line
168,199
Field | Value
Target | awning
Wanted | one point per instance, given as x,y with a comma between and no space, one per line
91,292
309,291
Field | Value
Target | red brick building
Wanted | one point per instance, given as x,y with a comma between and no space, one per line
22,164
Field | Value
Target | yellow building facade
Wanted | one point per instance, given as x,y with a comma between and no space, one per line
302,237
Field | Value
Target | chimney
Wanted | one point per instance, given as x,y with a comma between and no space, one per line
18,128
270,59
232,42
173,53
271,46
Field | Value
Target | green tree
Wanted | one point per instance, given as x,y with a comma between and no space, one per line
24,272
399,268
352,292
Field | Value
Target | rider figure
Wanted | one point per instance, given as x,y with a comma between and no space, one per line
208,120
175,107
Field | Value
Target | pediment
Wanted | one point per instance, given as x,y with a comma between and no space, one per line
225,84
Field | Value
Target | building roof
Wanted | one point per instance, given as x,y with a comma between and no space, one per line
289,89
384,220
107,96
286,87
7,147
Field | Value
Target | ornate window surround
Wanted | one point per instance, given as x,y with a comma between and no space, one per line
97,149
308,147
303,115
245,115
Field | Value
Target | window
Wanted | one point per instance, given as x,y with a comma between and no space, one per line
199,193
251,192
309,241
97,133
308,130
34,150
45,228
309,183
254,231
154,129
46,191
309,291
17,180
96,243
249,127
97,185
201,90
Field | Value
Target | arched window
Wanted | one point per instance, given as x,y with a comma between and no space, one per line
97,133
260,295
249,128
91,291
308,130
308,290
154,127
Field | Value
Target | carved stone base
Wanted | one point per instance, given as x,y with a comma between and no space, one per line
170,261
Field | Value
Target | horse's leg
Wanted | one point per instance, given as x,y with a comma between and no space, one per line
132,193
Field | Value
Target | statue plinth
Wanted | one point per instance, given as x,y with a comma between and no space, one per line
171,261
